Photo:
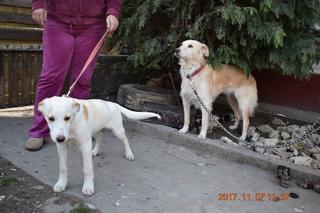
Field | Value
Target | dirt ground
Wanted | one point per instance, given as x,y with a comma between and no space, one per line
20,192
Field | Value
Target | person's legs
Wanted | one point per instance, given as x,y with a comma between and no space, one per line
58,45
85,42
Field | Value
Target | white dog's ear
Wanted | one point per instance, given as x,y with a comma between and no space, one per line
41,105
76,106
205,50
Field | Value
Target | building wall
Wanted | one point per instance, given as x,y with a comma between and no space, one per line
287,91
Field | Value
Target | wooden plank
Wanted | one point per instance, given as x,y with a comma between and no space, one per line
20,34
6,58
32,74
1,80
19,78
12,82
27,78
16,3
16,18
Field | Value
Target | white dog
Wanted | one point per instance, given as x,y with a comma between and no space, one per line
81,119
210,82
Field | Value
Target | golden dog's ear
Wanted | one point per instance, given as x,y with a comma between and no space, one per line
76,106
41,105
205,50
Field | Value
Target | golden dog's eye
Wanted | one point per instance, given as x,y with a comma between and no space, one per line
51,118
190,46
66,118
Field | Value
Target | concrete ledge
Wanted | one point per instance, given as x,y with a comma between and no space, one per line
289,112
273,109
215,147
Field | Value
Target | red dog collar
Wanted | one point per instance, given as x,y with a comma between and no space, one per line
196,72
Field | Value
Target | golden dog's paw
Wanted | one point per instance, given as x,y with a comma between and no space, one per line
183,130
94,153
202,136
233,127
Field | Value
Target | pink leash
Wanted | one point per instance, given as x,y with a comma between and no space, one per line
89,60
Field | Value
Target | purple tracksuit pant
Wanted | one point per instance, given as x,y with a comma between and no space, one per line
66,48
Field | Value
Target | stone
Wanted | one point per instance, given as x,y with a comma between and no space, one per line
282,128
274,134
316,187
265,128
282,153
315,164
293,128
271,141
90,206
228,141
285,135
278,122
284,183
296,135
255,137
315,138
306,184
308,144
251,130
302,160
315,150
303,129
258,149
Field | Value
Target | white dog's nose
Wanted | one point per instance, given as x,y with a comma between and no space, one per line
60,138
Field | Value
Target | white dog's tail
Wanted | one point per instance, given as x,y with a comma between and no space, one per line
137,115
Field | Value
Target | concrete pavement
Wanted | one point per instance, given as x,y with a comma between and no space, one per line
162,178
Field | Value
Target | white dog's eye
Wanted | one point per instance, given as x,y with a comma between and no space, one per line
51,118
67,118
190,46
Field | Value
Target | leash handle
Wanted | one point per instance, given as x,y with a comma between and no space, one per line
89,60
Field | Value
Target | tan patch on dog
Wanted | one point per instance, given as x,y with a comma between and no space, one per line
85,111
93,108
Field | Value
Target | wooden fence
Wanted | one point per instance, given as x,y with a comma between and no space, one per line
20,53
18,75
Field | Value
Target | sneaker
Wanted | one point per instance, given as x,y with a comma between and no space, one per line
34,144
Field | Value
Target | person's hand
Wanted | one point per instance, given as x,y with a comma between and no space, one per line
112,24
40,16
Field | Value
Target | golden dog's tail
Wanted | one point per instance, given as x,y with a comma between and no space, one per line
137,115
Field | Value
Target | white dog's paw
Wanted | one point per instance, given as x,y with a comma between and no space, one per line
243,137
202,136
60,186
159,117
94,153
129,155
183,130
88,188
233,127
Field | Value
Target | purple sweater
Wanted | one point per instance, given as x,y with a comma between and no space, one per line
79,11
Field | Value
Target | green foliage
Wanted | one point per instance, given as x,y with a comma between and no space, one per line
5,181
264,34
81,209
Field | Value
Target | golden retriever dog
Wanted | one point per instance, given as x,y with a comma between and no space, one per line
209,83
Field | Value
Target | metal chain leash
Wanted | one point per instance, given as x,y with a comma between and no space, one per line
308,133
